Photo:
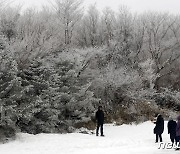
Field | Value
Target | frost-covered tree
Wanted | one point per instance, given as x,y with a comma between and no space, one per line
69,12
68,94
108,25
54,98
162,43
92,24
10,84
148,73
8,22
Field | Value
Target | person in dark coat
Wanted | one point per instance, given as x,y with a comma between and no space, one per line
100,120
159,128
178,131
172,129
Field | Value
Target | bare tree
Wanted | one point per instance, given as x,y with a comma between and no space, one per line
82,33
108,20
162,42
4,4
37,35
92,23
124,30
138,39
124,23
69,12
8,22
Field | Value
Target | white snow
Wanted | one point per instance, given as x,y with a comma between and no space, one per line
125,139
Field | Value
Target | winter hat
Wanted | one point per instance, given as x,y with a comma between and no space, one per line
100,107
170,118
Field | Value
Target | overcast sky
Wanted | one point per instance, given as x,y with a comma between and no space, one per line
172,6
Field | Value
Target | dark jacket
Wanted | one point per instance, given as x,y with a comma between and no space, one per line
100,116
172,127
159,128
178,127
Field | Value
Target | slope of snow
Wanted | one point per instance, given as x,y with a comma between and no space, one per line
125,139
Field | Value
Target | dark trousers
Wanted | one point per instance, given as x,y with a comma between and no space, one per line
178,142
158,136
101,128
173,137
177,138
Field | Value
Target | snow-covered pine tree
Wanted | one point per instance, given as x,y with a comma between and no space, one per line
33,82
53,97
18,97
68,98
10,84
10,91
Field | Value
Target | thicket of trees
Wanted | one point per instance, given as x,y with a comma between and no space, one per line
59,63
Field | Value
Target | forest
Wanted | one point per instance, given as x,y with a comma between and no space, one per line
58,64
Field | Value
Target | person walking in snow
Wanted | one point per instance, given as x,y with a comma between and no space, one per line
100,120
178,131
172,129
159,128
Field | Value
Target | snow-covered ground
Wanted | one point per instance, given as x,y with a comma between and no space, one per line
125,139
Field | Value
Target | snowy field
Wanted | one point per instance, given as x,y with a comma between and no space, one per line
125,139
